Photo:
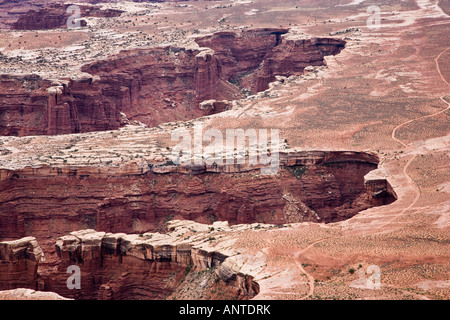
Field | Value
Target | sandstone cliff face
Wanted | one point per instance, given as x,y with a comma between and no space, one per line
23,101
123,267
310,186
62,113
42,19
30,105
19,261
291,57
379,190
55,16
156,85
146,266
241,54
49,202
253,58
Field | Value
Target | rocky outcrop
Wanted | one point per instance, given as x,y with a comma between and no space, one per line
291,57
105,266
30,105
240,54
19,261
62,113
29,294
55,16
216,106
42,19
379,189
93,11
154,85
145,266
253,58
318,186
157,85
23,101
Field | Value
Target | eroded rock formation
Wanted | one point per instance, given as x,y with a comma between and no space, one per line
146,266
19,261
29,294
47,202
157,85
121,266
252,59
56,16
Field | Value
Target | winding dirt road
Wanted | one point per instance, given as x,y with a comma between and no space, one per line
405,173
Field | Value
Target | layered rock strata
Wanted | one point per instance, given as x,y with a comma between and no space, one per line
19,261
317,186
29,294
123,267
252,59
145,266
56,16
157,85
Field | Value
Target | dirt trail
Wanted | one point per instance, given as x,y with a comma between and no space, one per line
405,168
303,271
405,173
436,60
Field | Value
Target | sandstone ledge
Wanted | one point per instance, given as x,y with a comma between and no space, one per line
29,294
19,261
287,158
187,245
